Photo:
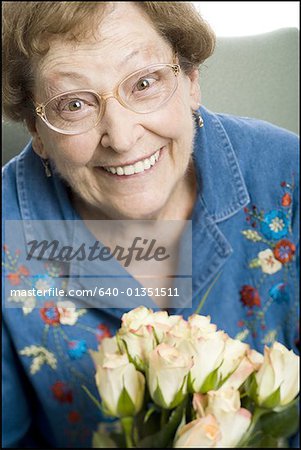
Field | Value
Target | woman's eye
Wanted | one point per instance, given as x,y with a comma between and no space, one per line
143,84
74,105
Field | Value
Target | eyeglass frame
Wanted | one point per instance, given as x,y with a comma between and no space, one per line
102,98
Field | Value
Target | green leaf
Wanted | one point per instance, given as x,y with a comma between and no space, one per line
138,363
125,406
158,397
164,437
101,440
273,400
211,382
281,424
179,396
251,386
190,382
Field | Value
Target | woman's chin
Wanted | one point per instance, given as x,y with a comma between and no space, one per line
142,208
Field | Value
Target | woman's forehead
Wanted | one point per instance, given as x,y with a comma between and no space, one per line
118,48
120,39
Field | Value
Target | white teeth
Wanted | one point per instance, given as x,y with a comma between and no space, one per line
138,167
129,170
147,164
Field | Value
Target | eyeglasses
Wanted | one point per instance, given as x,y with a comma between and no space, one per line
78,111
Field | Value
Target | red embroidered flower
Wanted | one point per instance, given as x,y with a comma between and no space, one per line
62,392
74,417
240,323
249,296
102,332
14,278
50,314
286,200
23,270
284,251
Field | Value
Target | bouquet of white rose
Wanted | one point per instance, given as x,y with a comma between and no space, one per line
178,383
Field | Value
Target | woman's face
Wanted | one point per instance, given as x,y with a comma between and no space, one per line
125,43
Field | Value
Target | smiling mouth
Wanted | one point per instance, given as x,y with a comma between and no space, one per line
138,167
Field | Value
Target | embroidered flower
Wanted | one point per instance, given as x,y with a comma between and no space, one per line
43,284
62,393
14,279
249,296
74,417
28,301
102,332
50,314
268,262
40,356
274,225
286,200
23,271
284,251
67,313
279,293
77,348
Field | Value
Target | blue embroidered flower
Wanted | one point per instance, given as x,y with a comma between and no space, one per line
279,293
275,225
46,287
77,349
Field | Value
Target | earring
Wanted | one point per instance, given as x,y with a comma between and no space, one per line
46,167
198,119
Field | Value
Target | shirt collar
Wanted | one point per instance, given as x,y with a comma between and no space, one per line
221,184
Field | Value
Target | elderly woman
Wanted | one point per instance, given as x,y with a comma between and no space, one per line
110,94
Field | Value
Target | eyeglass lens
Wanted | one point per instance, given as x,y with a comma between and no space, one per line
141,92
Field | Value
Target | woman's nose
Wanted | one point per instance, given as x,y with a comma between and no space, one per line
120,127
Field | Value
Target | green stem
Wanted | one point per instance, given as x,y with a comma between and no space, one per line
201,304
127,425
256,416
164,417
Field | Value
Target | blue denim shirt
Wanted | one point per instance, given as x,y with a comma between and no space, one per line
245,246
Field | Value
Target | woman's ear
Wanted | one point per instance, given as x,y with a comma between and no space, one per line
37,143
195,91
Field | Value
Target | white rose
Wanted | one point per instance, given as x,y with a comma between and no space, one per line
200,325
107,346
235,351
200,433
167,375
208,356
120,386
138,344
280,369
250,363
136,318
162,323
232,420
178,332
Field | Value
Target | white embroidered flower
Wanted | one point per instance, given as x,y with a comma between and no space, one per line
29,301
67,312
269,264
42,285
277,224
29,304
40,356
